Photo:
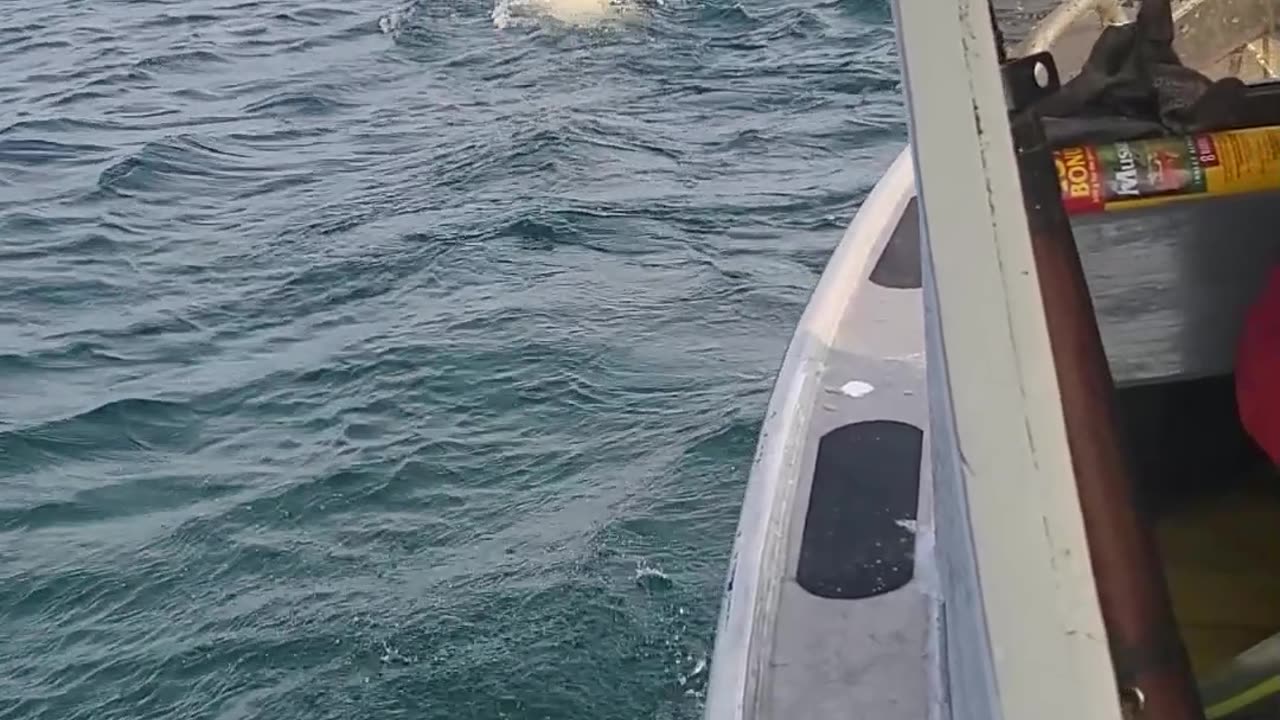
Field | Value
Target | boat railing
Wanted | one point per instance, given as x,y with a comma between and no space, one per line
1068,13
1207,30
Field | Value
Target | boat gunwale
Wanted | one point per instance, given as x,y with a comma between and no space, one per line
775,472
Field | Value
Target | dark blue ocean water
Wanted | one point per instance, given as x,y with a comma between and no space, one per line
364,360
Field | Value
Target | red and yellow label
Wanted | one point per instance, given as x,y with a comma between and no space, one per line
1079,178
1140,173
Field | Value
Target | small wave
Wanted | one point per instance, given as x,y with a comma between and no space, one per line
82,96
183,156
317,15
125,424
75,355
171,20
86,249
61,124
38,152
189,61
38,44
290,103
652,578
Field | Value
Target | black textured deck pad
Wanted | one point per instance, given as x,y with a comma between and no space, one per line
899,264
859,531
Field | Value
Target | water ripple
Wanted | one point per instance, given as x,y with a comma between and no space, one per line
364,359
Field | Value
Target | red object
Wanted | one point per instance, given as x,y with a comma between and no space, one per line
1258,369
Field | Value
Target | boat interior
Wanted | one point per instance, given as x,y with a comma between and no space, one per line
1169,318
1170,286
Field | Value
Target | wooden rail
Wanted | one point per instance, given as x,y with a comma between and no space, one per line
1151,663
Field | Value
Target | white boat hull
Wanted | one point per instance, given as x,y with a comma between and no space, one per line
854,373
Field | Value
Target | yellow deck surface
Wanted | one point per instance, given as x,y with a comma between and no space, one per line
1222,560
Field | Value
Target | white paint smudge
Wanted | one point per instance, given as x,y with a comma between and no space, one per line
856,388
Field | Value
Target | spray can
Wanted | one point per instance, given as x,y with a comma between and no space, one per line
1141,173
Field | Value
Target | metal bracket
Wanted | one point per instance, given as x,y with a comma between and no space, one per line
1029,79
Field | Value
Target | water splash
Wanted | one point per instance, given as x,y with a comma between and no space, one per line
392,655
652,578
694,678
573,13
394,22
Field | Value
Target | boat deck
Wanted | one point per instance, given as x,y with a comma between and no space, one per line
1222,561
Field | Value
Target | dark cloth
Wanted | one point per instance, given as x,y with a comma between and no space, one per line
1134,86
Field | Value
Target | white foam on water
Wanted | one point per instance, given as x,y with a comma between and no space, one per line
530,13
395,21
698,670
574,13
647,572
